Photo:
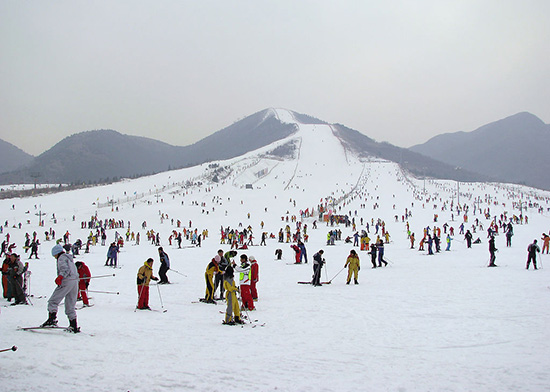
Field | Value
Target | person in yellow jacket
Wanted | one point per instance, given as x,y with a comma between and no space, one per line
144,276
353,266
231,290
211,269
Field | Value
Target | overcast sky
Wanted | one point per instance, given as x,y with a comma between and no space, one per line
177,71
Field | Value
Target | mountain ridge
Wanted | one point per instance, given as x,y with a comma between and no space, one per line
106,155
510,150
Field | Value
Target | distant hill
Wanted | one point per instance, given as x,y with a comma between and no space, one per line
106,155
12,157
514,149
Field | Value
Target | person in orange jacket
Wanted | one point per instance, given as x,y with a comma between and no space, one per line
83,282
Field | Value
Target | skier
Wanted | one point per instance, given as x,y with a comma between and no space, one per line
509,234
532,250
449,239
279,254
303,251
244,282
468,237
545,242
15,276
83,282
492,251
254,277
372,254
353,265
6,284
34,248
380,249
430,243
67,288
112,255
211,269
144,276
222,265
233,307
164,266
297,250
318,262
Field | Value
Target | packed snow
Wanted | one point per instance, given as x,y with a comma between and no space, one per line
442,322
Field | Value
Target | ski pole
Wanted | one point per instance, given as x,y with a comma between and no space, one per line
13,348
94,277
239,298
337,274
104,292
160,296
177,272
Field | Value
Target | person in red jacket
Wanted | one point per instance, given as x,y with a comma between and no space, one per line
298,252
83,282
254,277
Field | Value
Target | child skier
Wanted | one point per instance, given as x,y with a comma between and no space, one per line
83,282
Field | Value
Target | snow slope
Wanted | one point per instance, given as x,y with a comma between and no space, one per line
424,323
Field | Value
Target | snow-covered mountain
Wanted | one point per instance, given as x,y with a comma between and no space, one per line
106,155
429,323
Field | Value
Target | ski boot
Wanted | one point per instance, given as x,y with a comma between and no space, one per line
51,321
356,282
238,320
73,327
230,322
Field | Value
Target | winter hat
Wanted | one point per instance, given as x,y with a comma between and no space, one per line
57,249
217,258
251,258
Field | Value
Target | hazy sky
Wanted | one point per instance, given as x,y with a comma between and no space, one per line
177,71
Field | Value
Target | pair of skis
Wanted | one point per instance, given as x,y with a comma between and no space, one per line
46,328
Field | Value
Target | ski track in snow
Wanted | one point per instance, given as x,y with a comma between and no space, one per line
424,323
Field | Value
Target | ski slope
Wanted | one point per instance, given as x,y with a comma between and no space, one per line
424,323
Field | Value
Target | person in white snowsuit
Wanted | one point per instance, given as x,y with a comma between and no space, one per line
67,288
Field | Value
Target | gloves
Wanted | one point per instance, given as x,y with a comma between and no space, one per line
358,268
58,280
155,278
87,284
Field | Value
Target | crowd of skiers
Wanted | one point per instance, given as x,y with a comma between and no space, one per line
223,272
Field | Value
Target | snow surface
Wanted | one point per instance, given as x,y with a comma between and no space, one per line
424,323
